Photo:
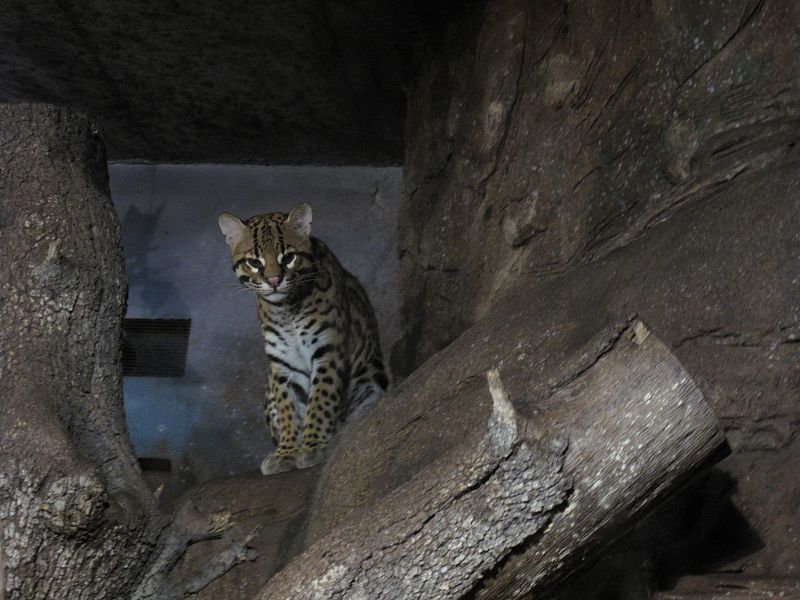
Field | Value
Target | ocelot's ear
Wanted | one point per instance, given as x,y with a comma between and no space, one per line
300,219
235,231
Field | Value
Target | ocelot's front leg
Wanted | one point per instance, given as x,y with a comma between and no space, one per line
325,403
283,421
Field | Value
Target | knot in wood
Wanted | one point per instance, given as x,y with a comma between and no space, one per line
74,505
503,430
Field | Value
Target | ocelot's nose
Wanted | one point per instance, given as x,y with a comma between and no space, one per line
274,282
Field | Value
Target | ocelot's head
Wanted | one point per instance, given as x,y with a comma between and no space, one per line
271,253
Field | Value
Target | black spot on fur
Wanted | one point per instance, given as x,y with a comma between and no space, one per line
321,351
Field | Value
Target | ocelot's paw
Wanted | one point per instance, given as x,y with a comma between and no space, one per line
278,463
309,457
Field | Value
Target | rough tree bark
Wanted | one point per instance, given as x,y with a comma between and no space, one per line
76,518
622,427
76,515
639,427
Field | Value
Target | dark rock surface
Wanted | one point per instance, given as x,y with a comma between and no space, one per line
732,587
200,81
596,159
542,136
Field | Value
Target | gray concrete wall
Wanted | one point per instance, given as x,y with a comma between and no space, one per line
209,422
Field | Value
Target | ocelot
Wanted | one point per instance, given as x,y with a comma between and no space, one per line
319,330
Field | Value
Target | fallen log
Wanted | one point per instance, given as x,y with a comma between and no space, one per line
639,428
536,498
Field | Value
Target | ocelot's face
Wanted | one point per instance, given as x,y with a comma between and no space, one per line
271,253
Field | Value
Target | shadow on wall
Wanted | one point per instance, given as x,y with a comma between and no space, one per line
209,422
697,531
159,291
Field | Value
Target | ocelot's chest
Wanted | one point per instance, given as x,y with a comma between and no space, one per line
299,333
290,340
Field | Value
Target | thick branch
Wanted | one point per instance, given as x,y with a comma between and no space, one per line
621,426
438,534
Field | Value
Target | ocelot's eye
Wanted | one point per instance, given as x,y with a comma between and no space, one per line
288,260
254,263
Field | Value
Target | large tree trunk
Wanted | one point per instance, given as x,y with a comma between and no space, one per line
77,519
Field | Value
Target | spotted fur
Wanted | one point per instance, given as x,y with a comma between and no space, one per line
319,330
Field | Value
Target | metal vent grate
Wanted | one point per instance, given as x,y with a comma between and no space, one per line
155,347
163,465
